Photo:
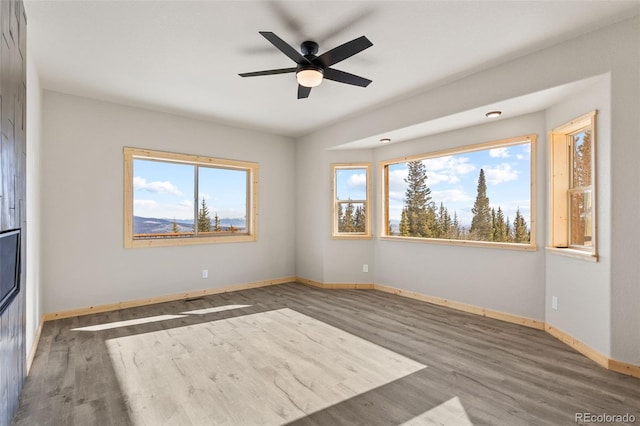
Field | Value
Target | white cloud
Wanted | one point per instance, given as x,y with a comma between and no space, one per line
357,181
520,156
157,186
447,169
186,204
499,152
501,173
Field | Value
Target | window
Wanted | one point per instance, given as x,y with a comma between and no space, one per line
475,195
573,224
351,186
178,199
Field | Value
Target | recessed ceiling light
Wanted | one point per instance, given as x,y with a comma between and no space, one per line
385,140
493,114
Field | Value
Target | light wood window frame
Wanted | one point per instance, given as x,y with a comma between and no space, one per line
384,185
335,233
251,234
561,176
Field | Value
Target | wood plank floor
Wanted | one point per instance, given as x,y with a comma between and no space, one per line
297,355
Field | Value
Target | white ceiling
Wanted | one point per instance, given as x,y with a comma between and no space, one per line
184,57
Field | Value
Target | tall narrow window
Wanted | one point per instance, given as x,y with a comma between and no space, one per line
572,185
176,199
351,213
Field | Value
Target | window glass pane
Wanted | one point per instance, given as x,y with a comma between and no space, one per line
162,199
581,153
222,201
482,195
580,210
352,217
351,184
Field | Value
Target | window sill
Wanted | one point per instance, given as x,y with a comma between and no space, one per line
573,253
351,237
467,243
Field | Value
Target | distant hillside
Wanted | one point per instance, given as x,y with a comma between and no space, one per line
153,225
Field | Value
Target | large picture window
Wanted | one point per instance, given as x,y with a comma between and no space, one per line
573,224
474,195
175,199
351,187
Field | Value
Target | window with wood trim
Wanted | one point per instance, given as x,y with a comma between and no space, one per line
351,187
572,204
477,195
180,199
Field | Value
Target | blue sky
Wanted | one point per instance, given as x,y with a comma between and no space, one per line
165,190
351,184
453,180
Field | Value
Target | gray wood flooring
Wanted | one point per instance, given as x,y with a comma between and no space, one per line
297,355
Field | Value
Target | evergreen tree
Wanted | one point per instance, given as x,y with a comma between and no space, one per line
509,231
520,232
417,200
175,228
216,223
500,227
456,231
481,224
204,221
404,223
348,220
360,219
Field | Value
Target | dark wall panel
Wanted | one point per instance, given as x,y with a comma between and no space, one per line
13,148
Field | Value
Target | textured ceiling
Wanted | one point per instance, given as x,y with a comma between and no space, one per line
184,57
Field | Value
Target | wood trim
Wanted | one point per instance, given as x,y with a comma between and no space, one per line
503,316
251,168
462,149
162,299
336,286
468,243
367,235
34,346
576,344
624,368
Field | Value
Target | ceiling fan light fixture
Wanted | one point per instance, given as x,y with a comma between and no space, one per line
309,77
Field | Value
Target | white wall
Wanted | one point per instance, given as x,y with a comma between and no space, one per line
503,280
84,262
613,330
583,288
34,308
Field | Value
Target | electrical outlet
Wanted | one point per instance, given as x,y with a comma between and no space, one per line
365,268
205,273
554,303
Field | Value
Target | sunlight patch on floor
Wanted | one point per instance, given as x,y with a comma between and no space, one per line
268,368
450,412
117,324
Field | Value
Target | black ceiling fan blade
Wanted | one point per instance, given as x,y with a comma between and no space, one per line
268,72
303,91
343,51
345,77
284,47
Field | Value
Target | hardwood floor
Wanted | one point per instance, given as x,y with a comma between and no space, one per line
296,355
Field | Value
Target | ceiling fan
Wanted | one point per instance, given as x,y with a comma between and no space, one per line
312,69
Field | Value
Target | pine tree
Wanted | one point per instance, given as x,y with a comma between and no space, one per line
417,200
175,228
500,227
509,231
204,221
404,223
360,219
456,231
216,223
520,232
481,224
348,223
